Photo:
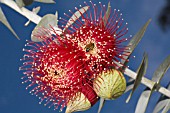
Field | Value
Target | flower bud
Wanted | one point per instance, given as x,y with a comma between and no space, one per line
110,84
82,100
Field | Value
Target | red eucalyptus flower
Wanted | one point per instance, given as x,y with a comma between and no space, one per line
99,33
57,70
63,69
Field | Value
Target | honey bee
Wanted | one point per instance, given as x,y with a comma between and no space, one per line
89,47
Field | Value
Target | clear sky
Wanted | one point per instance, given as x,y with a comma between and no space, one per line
14,98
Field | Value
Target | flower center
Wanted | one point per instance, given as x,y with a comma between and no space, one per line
89,47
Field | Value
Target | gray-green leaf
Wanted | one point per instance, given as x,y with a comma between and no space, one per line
129,85
134,41
46,22
143,101
161,105
76,16
161,70
140,73
34,10
45,1
101,104
145,96
167,107
4,20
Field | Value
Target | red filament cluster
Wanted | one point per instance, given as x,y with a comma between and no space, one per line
62,65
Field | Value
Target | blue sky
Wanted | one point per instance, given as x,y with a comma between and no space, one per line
15,99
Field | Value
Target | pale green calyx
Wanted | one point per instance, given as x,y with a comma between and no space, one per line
110,84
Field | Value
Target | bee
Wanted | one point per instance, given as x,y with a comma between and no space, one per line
89,47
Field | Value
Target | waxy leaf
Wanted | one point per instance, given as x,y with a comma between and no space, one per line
56,14
22,3
143,101
163,97
4,20
128,88
145,96
134,42
167,107
140,73
45,1
101,104
161,70
34,10
76,16
163,103
46,22
129,85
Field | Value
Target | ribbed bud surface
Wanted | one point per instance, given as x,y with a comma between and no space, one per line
110,84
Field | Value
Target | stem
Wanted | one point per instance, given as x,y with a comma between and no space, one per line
36,19
147,82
